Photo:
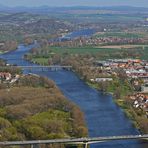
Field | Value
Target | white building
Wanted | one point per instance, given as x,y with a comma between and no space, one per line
144,88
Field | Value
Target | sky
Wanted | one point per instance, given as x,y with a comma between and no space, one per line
138,3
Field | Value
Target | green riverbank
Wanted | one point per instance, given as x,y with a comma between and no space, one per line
119,90
137,117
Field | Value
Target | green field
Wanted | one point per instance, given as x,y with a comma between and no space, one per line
80,50
121,35
100,53
42,61
107,51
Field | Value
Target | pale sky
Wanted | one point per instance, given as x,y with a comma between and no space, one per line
138,3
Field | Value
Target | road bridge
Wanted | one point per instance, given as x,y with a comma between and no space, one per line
41,68
50,66
77,141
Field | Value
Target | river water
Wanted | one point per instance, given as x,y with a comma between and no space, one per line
103,116
76,34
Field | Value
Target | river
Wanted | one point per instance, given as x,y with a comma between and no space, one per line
76,34
103,116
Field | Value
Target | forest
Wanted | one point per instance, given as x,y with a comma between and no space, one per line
34,108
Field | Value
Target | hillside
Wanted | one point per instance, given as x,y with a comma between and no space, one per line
17,26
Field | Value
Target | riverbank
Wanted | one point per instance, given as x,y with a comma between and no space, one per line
3,52
138,120
7,51
119,89
129,113
123,104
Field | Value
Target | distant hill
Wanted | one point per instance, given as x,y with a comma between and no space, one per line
47,9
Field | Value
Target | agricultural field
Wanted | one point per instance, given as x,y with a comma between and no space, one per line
121,34
100,53
123,46
113,50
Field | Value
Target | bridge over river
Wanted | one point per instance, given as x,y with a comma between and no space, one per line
78,141
41,68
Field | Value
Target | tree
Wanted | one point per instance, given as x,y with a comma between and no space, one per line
117,93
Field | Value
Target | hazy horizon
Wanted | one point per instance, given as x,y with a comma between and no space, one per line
67,3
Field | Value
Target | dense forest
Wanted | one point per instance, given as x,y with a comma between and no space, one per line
34,108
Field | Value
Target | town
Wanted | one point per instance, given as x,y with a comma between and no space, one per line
97,40
136,71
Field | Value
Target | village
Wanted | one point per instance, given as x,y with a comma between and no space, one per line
7,77
8,74
135,71
96,41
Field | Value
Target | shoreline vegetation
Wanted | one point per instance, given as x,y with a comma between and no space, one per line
123,104
41,114
127,109
8,45
119,89
4,52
